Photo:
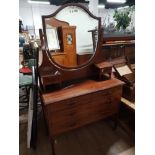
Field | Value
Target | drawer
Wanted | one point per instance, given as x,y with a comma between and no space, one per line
61,117
51,79
101,96
78,122
117,90
98,102
84,100
72,122
78,111
109,107
70,114
63,127
69,103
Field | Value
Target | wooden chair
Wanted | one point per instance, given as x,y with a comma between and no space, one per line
124,72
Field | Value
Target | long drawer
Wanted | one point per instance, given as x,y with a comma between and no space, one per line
75,123
72,113
76,101
77,105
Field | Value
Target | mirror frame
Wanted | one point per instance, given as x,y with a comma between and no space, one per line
98,46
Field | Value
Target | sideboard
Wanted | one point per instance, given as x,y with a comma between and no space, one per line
118,45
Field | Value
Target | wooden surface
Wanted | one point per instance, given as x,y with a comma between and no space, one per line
118,37
115,49
87,87
81,104
83,58
103,65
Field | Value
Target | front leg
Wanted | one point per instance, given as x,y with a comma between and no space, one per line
53,147
115,118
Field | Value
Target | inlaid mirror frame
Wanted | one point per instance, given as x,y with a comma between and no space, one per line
98,45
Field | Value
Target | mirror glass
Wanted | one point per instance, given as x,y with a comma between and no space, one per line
71,36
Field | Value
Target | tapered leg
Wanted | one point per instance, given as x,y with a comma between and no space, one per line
53,147
45,122
115,121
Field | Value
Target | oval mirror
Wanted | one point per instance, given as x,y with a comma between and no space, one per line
71,35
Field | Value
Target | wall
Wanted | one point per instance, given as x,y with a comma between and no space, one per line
93,7
31,14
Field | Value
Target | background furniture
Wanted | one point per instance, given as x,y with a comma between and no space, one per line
30,83
124,72
115,46
25,82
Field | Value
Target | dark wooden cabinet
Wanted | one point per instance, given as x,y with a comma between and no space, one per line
114,46
130,53
115,50
81,104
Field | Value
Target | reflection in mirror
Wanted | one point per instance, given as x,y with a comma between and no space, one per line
69,36
52,37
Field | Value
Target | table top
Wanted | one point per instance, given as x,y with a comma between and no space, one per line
83,88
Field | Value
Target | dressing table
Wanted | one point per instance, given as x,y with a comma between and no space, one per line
82,98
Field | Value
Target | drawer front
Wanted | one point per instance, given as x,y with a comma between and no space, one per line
74,123
72,113
51,79
69,103
78,107
81,101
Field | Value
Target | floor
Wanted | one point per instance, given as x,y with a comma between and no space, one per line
94,139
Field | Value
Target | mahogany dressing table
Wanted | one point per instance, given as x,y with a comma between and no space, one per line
81,99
